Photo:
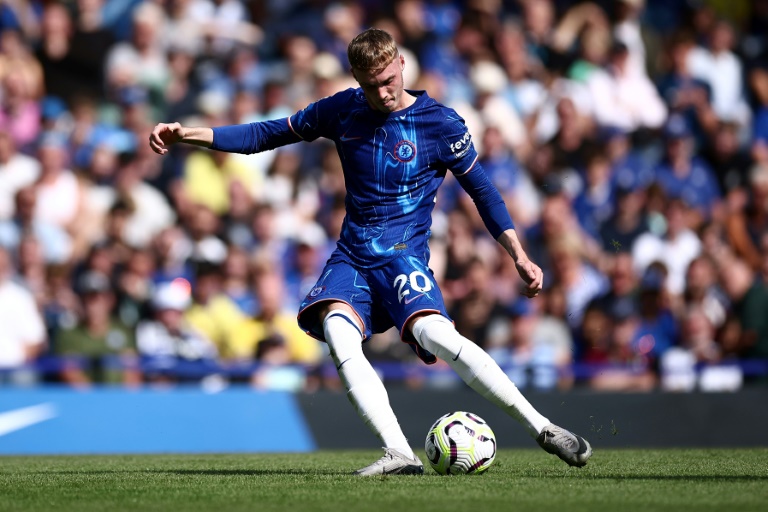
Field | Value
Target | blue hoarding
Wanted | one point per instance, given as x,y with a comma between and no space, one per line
59,421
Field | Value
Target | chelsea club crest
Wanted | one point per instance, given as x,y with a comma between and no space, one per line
405,150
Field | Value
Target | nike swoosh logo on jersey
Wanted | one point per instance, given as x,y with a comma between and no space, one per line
344,138
411,299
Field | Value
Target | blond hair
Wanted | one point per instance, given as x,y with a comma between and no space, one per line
372,50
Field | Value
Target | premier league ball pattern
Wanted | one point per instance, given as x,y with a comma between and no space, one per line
460,443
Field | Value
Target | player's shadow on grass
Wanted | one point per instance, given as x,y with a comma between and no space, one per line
249,472
683,478
201,472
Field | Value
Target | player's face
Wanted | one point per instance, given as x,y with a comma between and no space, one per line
383,89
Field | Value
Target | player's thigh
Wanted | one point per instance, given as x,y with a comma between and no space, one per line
407,289
340,286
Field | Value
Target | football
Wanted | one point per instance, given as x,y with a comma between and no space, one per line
460,443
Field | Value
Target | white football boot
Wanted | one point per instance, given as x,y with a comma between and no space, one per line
393,463
573,449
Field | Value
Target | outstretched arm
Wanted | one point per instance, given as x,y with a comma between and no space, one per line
238,138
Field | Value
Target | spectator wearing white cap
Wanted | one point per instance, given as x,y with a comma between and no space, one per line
168,339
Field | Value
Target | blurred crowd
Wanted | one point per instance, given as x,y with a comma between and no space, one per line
629,139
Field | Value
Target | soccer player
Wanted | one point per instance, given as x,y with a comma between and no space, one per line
395,146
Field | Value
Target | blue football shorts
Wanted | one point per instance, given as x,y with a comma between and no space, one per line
382,297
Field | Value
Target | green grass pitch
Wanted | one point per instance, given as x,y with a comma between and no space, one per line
519,480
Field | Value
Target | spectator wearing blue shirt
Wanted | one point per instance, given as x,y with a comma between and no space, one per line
630,169
680,174
658,330
595,203
685,94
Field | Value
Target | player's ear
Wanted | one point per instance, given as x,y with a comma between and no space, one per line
402,62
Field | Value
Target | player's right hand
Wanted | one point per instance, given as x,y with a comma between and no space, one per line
164,135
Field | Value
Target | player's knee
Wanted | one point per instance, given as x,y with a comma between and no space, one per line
437,334
343,334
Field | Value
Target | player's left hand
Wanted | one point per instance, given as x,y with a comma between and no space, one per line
532,275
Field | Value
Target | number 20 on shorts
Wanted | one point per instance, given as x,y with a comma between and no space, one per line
418,282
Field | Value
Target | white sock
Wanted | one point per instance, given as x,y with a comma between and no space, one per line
473,364
364,387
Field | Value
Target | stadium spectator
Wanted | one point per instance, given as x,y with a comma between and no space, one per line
702,291
750,302
142,60
657,329
623,290
73,50
675,248
721,69
623,98
594,205
748,228
308,257
580,281
17,171
694,364
134,286
629,221
24,336
173,250
99,349
570,146
59,192
477,311
55,242
20,107
167,341
209,175
202,228
211,312
236,283
524,90
684,175
272,322
728,159
275,371
62,306
685,94
460,253
30,264
539,351
623,363
557,220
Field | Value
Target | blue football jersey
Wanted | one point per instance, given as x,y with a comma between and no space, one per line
393,165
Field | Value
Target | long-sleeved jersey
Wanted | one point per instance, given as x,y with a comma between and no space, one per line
393,165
